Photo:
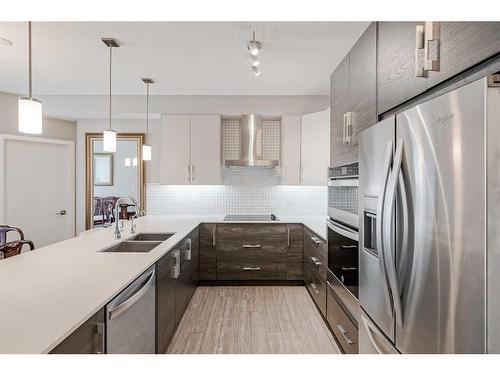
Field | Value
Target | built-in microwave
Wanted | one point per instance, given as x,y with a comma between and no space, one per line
343,186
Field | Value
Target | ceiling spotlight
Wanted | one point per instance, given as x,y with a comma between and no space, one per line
256,72
255,62
254,46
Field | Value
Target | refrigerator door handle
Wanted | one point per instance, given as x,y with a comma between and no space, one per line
380,227
388,232
405,208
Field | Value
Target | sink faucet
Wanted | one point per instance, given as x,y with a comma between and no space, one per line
118,234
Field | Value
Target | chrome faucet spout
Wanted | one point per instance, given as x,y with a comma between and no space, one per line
118,234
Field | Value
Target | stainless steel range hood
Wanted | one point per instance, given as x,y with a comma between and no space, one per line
251,144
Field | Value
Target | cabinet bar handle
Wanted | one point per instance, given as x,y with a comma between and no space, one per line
288,236
314,288
189,174
419,46
176,269
432,34
251,246
251,268
188,251
213,236
316,240
316,262
101,327
192,172
348,127
343,332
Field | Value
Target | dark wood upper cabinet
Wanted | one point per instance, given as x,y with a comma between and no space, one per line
363,81
463,45
165,299
353,90
339,104
397,81
86,339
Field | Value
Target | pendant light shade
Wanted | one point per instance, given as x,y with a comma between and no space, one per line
109,135
109,140
29,109
146,152
146,148
29,115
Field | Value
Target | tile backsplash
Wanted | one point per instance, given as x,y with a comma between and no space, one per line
245,198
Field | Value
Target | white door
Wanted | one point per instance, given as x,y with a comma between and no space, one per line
290,153
175,150
205,150
315,149
37,185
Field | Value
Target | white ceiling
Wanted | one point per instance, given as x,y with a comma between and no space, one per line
184,58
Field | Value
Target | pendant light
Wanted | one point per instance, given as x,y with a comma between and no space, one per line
109,135
146,148
29,109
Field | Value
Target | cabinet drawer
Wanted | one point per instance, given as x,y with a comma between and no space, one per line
316,288
265,247
317,264
315,246
248,231
344,329
251,270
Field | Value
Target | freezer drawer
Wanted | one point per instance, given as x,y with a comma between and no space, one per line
130,318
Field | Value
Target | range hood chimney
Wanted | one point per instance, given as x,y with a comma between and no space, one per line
251,144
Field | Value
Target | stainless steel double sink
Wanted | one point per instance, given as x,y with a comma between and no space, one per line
140,243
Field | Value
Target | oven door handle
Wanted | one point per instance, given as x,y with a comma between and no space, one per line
343,230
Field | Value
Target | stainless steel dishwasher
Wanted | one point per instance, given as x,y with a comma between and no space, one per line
130,318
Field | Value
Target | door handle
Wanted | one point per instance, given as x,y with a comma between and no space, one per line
380,229
61,212
388,232
125,305
343,332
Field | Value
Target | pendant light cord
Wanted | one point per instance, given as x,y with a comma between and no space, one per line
147,110
29,54
110,64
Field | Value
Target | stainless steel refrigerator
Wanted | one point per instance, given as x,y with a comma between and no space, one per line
429,185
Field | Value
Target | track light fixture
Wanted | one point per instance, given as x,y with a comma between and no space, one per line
254,47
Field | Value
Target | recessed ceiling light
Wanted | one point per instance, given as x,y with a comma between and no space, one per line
5,42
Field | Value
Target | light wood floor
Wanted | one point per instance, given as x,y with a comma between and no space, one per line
252,319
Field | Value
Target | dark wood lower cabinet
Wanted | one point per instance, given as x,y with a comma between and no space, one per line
89,338
344,329
208,252
165,302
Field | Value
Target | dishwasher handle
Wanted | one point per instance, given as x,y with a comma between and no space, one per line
125,305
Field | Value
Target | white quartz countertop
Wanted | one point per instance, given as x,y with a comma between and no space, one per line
47,293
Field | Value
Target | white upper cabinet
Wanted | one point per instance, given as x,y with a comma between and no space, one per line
315,148
290,151
205,150
190,150
175,150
